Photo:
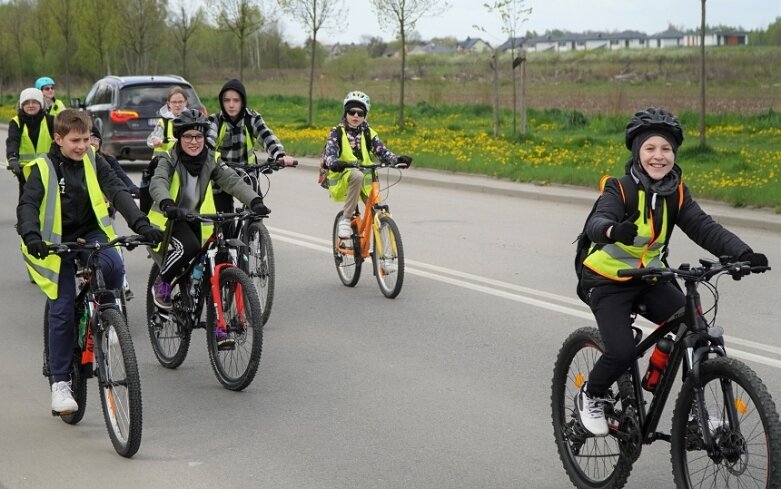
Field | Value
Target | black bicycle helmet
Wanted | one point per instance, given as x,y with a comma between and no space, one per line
650,119
190,119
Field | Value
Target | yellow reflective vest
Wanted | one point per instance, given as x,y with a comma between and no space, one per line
56,107
646,250
168,136
338,180
46,272
157,218
248,141
28,152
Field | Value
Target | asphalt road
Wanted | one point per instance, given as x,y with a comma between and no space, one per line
446,386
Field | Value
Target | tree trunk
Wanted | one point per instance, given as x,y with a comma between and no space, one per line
515,91
702,77
523,93
495,67
403,76
312,76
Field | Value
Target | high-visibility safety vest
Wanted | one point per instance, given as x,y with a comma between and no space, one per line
645,251
338,181
56,107
168,136
157,218
28,152
46,272
249,142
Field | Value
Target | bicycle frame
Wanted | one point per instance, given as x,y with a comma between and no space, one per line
365,223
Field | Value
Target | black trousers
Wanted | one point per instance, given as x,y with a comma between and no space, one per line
612,305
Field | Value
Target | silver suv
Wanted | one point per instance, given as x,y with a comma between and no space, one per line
126,110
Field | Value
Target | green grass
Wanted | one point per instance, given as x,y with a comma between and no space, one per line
741,163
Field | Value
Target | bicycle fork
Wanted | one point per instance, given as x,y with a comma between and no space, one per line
217,297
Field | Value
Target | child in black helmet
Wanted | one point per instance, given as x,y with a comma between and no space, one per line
653,136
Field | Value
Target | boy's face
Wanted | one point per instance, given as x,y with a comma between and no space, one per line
657,157
31,107
74,144
231,102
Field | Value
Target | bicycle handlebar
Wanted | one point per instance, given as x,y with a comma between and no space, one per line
128,242
219,217
709,268
372,166
271,165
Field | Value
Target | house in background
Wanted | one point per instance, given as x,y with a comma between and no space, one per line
718,38
666,39
473,45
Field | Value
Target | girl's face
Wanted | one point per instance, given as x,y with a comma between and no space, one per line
31,107
355,116
192,142
177,103
657,157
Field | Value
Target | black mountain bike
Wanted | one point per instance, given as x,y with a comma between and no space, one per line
257,260
725,427
231,306
103,348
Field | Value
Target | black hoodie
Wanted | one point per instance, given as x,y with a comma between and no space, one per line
239,87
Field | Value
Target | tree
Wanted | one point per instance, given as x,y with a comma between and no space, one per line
100,28
64,13
405,14
40,31
184,25
241,17
312,14
143,27
513,14
702,77
375,46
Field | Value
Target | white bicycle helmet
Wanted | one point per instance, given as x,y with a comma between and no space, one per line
360,97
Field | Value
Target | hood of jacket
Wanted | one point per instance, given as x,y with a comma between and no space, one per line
165,112
237,86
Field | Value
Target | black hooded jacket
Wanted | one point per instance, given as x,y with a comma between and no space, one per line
33,124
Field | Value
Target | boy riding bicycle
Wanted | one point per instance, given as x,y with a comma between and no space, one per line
63,200
653,136
353,141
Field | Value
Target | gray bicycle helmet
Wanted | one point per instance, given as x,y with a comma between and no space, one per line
650,119
190,119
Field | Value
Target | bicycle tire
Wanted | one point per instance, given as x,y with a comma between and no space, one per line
119,383
260,266
348,266
170,340
79,374
574,362
389,267
758,424
236,368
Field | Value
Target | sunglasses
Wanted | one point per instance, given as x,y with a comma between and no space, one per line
47,88
357,112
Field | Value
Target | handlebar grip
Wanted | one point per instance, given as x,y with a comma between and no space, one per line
633,272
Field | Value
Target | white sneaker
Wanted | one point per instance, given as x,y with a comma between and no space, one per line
388,266
344,229
591,412
113,339
62,398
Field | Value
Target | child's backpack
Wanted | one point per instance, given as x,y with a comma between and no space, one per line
628,188
322,177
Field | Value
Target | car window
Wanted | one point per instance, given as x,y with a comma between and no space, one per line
151,95
103,94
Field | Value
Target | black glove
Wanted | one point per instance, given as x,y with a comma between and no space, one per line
13,165
258,207
38,249
171,211
404,161
150,233
755,259
337,166
625,231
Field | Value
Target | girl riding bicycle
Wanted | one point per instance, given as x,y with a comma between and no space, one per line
182,183
653,136
353,141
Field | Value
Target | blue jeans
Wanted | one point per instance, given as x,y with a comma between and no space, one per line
61,311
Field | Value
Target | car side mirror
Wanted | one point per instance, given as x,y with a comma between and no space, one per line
76,103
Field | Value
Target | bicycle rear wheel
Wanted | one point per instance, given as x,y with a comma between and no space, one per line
260,267
590,462
743,422
169,336
348,267
236,367
388,257
119,383
79,373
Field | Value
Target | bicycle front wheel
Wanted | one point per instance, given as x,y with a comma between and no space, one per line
388,257
591,462
119,383
236,360
260,265
169,336
743,424
347,266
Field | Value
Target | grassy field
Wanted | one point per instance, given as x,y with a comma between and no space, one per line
577,114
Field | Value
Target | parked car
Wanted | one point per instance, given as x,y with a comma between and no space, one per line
126,110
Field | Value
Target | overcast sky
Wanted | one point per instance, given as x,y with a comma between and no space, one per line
573,15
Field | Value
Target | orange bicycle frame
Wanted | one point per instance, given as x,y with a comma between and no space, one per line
216,296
